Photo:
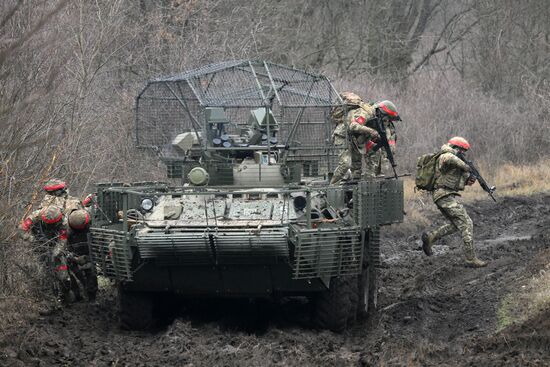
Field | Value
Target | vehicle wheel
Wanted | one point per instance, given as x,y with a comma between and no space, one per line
135,310
332,308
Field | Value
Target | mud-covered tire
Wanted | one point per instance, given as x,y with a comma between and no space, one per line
332,308
135,310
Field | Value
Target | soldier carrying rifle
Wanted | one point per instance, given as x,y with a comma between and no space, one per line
445,174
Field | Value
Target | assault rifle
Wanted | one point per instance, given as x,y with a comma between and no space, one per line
383,143
475,173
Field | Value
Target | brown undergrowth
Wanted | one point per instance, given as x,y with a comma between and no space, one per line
509,180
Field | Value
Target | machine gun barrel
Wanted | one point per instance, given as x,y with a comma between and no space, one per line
475,173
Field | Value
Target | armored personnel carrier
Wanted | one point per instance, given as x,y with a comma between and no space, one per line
248,210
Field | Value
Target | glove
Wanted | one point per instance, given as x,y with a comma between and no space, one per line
471,180
375,137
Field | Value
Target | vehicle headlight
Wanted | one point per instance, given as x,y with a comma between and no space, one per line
147,204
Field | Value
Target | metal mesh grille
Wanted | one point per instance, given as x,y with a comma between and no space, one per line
173,105
249,247
326,252
379,202
110,254
374,247
190,248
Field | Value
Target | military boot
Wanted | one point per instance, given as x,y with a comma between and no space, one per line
471,259
428,240
475,263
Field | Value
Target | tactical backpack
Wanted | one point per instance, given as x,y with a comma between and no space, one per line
425,171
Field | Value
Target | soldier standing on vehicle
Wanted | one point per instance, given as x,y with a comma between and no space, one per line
46,229
352,128
451,176
376,160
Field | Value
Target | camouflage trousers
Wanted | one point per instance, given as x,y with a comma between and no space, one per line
55,268
459,220
376,164
350,159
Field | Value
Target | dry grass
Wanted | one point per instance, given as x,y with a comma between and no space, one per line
510,180
531,298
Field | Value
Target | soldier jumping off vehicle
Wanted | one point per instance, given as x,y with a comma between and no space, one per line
451,176
376,159
351,127
46,228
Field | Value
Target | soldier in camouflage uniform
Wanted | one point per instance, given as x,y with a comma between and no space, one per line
352,129
56,194
78,220
47,228
451,176
79,244
376,161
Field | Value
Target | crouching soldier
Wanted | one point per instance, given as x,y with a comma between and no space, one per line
46,229
79,245
451,176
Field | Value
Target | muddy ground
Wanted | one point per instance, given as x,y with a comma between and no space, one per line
431,312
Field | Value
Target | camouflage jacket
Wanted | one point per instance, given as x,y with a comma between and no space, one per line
451,174
356,121
390,134
44,232
66,203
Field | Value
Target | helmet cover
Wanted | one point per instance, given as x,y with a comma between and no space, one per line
460,142
54,185
51,214
79,219
351,98
388,108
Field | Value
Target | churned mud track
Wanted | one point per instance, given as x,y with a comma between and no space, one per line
432,311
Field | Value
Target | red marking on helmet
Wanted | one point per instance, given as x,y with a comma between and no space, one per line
458,143
63,235
61,268
51,221
369,146
360,120
387,110
58,186
26,225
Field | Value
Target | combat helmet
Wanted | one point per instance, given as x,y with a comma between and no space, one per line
54,185
51,214
388,108
459,142
351,98
79,219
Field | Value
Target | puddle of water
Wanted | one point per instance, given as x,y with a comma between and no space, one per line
501,239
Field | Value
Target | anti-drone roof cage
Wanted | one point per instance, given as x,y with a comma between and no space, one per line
300,103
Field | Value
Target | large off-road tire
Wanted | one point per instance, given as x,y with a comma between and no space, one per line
135,310
332,308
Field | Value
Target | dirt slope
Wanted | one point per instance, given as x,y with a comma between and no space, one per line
432,312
